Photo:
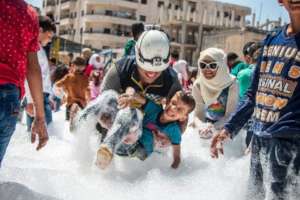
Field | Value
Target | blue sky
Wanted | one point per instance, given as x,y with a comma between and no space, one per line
270,8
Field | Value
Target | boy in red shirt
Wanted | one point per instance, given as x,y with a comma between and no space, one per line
19,31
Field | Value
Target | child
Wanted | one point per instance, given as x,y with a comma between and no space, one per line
274,100
94,85
158,124
75,85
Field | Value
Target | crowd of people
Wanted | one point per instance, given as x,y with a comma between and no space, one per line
155,92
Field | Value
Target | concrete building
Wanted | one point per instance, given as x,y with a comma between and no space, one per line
193,25
232,39
187,21
99,23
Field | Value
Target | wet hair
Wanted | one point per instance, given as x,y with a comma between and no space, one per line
137,29
47,24
187,99
79,61
231,56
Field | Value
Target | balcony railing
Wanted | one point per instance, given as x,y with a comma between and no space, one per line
64,16
64,1
124,15
134,1
115,32
50,3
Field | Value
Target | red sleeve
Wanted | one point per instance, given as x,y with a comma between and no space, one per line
34,30
88,70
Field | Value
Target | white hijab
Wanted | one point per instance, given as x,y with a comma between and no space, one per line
93,61
211,89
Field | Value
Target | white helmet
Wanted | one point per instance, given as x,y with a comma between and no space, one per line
152,51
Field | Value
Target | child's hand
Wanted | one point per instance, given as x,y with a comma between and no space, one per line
175,163
160,139
207,132
124,100
30,109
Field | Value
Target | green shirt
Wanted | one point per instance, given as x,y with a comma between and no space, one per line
238,67
129,47
244,80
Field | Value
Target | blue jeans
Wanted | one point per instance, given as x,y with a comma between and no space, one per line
275,168
9,110
48,113
57,103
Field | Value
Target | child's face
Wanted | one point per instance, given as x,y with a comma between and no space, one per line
176,109
292,6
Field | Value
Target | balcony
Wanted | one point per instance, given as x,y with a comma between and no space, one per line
65,4
119,14
65,19
50,3
49,9
115,35
110,17
133,4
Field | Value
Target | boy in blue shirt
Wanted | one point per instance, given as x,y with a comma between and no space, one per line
160,127
274,99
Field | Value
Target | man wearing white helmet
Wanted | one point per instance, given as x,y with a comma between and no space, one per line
148,72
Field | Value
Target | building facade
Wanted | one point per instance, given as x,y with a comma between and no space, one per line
188,21
193,25
99,23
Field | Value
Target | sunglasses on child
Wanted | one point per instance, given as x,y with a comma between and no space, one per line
211,66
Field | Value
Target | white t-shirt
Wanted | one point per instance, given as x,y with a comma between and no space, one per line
45,70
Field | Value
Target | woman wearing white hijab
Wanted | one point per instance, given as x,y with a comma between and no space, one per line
215,91
95,61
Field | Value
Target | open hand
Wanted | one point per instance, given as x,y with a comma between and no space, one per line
207,132
39,129
217,143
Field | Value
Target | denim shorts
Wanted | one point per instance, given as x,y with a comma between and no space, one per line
9,110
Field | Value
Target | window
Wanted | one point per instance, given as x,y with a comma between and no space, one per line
75,14
142,18
106,30
238,18
109,12
81,30
82,13
160,3
144,1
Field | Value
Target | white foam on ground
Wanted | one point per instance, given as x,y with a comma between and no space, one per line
58,170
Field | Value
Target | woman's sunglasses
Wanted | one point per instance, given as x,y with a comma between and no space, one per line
211,66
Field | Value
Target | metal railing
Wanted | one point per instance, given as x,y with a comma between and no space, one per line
124,15
115,32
